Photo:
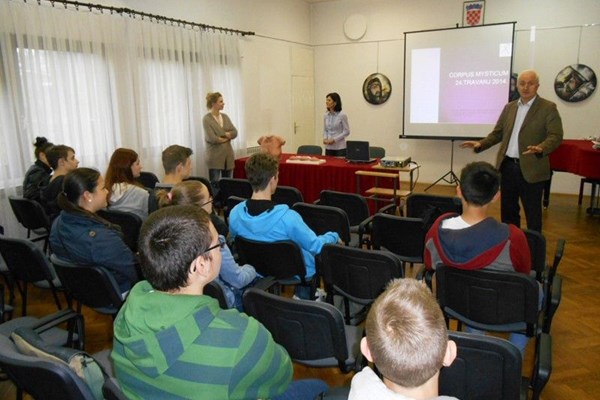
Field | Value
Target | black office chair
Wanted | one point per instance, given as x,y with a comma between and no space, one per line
42,378
499,302
488,367
489,300
358,275
310,149
323,219
27,264
232,187
33,217
287,195
421,205
313,333
376,152
129,223
214,290
230,203
354,205
546,273
148,179
235,187
89,285
282,260
403,236
485,367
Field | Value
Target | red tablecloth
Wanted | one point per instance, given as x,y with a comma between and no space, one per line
577,157
310,179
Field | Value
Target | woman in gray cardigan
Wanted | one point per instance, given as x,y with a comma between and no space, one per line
218,133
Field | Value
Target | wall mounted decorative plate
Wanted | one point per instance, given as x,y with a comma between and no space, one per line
377,88
575,83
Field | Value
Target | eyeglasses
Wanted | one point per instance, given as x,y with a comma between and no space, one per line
221,244
208,202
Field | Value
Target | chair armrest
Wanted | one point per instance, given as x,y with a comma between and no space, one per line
552,303
363,228
389,209
543,365
52,320
265,283
317,201
558,254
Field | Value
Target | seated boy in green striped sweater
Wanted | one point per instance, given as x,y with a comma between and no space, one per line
171,341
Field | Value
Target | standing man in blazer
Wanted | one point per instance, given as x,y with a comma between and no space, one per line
528,130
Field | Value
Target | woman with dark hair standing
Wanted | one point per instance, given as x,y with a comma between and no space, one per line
218,134
80,236
124,192
38,175
336,128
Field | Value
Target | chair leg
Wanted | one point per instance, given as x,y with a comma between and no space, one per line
580,199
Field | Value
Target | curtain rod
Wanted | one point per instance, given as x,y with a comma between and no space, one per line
152,17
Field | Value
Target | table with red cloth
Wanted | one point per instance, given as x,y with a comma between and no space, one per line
334,174
577,157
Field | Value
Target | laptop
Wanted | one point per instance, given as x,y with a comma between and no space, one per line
358,152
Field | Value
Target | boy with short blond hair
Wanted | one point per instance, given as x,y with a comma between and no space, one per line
407,340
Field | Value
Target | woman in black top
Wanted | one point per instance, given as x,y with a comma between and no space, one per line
38,175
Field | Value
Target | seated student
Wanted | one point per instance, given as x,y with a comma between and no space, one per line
62,160
407,340
124,192
474,240
177,163
233,278
271,144
80,236
259,218
38,175
171,341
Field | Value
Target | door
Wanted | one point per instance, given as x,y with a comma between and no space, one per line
303,114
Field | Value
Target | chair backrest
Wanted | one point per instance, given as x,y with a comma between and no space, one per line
231,202
91,285
29,213
43,380
130,224
148,179
282,259
310,149
25,260
287,195
537,250
403,236
358,274
353,204
376,152
214,290
489,300
234,187
485,367
421,205
308,330
323,219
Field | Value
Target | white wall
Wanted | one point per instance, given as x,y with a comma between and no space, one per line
342,65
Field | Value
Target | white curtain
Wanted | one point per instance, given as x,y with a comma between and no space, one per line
96,81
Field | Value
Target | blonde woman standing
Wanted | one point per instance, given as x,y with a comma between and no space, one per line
218,134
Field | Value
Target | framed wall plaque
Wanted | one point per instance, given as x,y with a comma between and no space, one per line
473,13
377,89
575,83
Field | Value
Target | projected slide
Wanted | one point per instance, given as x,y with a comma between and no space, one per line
456,81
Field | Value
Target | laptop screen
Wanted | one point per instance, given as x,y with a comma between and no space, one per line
357,150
